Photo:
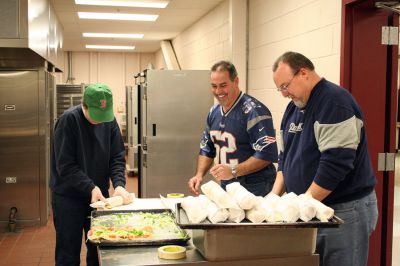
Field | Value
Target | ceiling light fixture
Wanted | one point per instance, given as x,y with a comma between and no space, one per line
114,47
117,16
113,35
149,4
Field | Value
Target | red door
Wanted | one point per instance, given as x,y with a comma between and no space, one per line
369,72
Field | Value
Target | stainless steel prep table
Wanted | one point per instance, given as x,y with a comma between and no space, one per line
148,255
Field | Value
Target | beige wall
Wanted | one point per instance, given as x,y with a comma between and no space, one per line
219,35
159,62
206,41
114,69
311,27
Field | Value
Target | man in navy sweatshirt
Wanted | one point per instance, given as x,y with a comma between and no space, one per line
88,152
325,153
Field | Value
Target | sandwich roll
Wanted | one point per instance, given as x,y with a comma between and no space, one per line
114,202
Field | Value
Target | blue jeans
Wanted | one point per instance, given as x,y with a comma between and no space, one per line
348,244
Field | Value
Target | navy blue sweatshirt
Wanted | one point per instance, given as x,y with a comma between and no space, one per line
86,155
326,143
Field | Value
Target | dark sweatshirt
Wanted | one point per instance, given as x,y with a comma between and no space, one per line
86,155
326,143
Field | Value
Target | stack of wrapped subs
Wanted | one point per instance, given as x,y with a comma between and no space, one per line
236,203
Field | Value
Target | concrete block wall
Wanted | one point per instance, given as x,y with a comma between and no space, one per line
311,27
205,42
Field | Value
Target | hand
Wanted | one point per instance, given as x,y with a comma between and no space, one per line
221,172
97,195
194,184
126,196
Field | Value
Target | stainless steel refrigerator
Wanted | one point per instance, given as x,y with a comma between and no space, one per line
25,144
173,107
132,129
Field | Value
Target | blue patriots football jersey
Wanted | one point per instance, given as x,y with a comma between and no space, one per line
245,130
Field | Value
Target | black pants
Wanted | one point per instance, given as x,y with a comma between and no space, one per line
72,217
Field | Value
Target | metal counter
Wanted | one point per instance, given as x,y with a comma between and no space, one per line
149,256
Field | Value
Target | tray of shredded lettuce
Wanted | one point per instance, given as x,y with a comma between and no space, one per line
130,228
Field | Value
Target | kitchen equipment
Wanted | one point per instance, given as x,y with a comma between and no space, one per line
25,144
67,95
131,94
173,107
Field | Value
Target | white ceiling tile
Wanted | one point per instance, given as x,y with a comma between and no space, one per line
178,16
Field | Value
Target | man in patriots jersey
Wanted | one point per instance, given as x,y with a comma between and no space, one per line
325,153
239,137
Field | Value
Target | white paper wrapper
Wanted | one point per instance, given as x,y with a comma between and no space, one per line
324,213
214,213
289,208
245,199
271,199
236,215
109,203
194,209
257,213
307,209
215,193
270,203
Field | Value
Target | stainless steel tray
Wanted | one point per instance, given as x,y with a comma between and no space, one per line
139,242
183,222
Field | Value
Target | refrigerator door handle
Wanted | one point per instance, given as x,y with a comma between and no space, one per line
154,130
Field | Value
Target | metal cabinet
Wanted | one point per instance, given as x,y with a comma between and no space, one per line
25,144
173,109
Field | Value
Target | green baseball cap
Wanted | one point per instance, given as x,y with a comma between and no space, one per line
98,98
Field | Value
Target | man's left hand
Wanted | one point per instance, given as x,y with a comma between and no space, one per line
126,196
221,172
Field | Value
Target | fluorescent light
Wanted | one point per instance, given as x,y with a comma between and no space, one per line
117,16
114,47
150,4
113,35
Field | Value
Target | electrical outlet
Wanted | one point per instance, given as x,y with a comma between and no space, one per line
11,179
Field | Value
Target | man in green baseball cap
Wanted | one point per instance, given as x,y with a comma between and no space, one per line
88,152
98,99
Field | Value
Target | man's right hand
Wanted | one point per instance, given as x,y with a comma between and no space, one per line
97,195
194,185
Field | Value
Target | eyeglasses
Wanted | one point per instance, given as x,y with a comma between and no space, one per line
284,87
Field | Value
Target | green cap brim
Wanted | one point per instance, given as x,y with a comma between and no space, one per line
101,115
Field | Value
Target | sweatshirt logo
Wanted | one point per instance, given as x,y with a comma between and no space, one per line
293,128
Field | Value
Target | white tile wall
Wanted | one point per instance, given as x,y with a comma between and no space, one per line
206,41
311,27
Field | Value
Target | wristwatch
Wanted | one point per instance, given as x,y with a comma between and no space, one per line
234,171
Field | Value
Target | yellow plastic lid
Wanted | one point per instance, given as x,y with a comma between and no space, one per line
175,195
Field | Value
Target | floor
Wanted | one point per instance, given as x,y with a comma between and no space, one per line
35,245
